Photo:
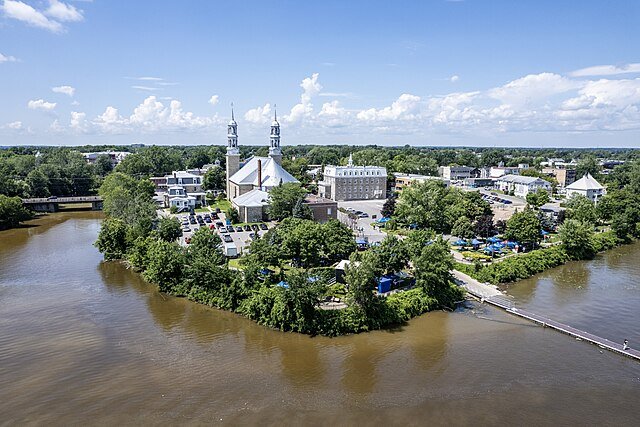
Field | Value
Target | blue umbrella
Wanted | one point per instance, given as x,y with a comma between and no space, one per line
384,220
493,240
476,242
460,242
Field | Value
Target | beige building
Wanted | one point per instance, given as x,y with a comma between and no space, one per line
351,182
405,179
564,176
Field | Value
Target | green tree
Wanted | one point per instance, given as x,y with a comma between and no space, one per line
578,239
361,282
283,199
165,266
38,184
588,164
169,229
206,244
524,227
463,228
484,226
112,239
417,241
581,209
391,256
389,207
433,270
301,210
233,215
214,179
12,212
538,198
424,204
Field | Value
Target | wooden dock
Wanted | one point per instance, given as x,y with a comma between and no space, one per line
504,303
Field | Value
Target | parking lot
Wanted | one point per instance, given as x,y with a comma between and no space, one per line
241,239
362,226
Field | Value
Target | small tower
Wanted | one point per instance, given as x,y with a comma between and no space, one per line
350,163
274,139
233,153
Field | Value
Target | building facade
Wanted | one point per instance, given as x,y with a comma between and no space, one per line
322,209
457,173
520,186
564,176
588,187
406,179
351,182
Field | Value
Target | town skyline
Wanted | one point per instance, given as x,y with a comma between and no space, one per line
427,74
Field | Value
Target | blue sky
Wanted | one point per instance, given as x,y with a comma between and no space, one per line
473,72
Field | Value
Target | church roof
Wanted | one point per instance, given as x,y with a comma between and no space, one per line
587,182
253,198
272,173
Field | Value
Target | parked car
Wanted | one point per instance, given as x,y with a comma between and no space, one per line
230,229
263,226
239,229
215,216
212,227
254,227
192,220
363,215
186,229
207,219
253,236
205,216
217,210
219,224
227,238
247,228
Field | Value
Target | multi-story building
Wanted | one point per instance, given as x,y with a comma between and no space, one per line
564,175
458,173
520,186
405,179
588,187
353,182
321,208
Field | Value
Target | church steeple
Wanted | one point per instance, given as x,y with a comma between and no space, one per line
274,138
232,135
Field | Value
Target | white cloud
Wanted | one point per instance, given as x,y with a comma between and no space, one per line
149,79
310,88
67,90
606,70
533,88
214,100
41,104
146,88
454,78
404,107
17,125
27,14
78,121
4,58
259,115
63,12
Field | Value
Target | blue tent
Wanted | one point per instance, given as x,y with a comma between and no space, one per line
460,242
361,241
512,245
384,284
476,243
384,220
544,233
493,240
283,284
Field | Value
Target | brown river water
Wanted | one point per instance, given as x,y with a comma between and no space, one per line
88,342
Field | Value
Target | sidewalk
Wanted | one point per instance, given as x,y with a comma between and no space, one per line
483,290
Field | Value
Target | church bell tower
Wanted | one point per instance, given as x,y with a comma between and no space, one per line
233,153
274,139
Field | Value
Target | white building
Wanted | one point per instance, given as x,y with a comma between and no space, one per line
500,171
520,186
588,187
261,173
177,197
353,182
458,173
406,179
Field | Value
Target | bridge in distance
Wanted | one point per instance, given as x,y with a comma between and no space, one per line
52,204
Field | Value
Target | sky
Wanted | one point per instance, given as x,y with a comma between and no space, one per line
535,73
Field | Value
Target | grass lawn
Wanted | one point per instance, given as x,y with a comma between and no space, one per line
224,205
235,263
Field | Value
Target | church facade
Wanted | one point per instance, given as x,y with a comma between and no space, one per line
255,173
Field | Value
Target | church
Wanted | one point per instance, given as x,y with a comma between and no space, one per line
248,183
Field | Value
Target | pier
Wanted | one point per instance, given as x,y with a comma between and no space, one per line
490,295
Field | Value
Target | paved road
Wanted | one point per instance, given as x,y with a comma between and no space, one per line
363,225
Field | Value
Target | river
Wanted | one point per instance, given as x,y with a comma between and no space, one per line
88,342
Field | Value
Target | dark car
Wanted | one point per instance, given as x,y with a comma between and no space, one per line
217,210
247,228
230,229
253,236
207,219
227,238
192,220
254,227
263,226
239,229
215,216
205,216
219,224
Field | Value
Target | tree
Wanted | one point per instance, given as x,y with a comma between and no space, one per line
391,256
538,198
214,179
166,262
301,210
424,204
578,239
361,281
433,269
389,207
12,212
233,215
417,241
463,228
484,226
581,209
524,227
103,165
112,239
38,184
283,199
588,164
169,229
206,244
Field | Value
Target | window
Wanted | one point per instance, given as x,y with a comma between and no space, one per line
328,211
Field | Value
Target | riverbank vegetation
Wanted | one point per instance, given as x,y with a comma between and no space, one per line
12,213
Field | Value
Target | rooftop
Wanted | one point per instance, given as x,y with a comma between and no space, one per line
587,182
